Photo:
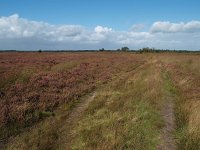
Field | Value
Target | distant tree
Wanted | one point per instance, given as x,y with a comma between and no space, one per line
125,49
147,50
102,49
39,50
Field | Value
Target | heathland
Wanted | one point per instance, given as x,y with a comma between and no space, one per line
99,100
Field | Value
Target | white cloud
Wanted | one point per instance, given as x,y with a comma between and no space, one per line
16,27
69,30
21,33
100,29
168,27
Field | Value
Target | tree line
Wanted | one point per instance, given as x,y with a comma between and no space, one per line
150,50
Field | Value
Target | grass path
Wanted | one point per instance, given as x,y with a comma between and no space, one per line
168,142
125,114
66,133
167,112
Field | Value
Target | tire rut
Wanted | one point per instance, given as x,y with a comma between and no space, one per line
167,112
71,121
167,139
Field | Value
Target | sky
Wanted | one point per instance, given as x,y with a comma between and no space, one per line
95,24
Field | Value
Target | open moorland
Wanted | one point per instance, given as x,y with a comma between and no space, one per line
99,100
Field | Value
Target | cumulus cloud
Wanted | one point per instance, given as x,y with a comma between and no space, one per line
100,29
16,27
20,33
168,27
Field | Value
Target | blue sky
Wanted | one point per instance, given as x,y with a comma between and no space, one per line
115,18
118,14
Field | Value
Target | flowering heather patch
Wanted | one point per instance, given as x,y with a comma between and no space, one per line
31,84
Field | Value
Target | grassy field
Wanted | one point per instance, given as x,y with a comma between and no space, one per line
99,100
